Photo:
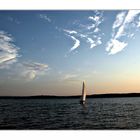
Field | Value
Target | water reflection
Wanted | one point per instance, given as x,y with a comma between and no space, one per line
84,109
116,113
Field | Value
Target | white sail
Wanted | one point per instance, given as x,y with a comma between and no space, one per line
83,92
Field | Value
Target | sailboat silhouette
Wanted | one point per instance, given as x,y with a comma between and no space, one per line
83,97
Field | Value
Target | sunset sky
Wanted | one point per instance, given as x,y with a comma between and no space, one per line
52,52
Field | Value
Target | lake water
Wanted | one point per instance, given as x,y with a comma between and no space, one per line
68,114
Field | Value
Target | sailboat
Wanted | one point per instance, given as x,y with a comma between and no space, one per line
83,97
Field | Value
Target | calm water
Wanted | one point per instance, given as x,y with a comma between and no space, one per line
64,114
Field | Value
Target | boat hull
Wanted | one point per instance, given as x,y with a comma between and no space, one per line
82,102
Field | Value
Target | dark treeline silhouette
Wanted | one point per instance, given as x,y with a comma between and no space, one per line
113,95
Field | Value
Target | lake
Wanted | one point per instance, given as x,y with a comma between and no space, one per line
68,114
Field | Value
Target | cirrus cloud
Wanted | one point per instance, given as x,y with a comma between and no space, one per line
45,17
8,50
76,41
30,70
121,28
128,19
119,19
115,46
69,76
76,44
70,32
88,31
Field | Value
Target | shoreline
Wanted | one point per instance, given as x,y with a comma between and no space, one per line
108,95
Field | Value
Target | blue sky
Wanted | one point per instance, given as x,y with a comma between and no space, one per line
52,52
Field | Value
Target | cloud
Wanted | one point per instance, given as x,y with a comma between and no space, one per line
76,44
35,66
115,46
70,32
82,35
44,16
131,35
119,19
8,50
131,15
30,70
89,32
91,42
30,74
138,24
122,26
94,36
97,41
120,32
70,76
96,30
97,18
91,18
126,23
91,27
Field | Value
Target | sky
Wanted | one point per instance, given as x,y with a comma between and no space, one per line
52,52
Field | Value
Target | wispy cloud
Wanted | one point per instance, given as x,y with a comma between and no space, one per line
76,44
97,18
126,23
115,46
30,70
68,77
76,41
35,66
94,34
92,26
8,50
45,17
70,31
119,19
121,27
138,23
93,44
89,32
96,30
